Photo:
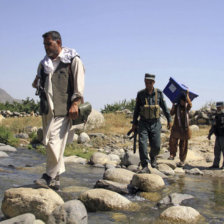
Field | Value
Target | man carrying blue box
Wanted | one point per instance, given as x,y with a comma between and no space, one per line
148,103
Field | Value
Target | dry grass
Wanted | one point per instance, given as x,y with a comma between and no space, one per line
203,131
17,125
115,123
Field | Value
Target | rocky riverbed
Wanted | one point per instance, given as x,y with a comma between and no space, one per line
108,189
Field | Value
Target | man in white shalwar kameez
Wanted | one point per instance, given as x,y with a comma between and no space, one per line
64,74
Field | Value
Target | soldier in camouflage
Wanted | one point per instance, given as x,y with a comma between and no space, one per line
148,104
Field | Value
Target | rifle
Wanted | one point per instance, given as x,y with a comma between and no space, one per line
43,98
133,136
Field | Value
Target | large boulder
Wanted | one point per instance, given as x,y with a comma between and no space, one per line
71,212
20,219
180,214
147,182
119,175
99,158
164,168
104,200
7,148
40,202
95,120
130,158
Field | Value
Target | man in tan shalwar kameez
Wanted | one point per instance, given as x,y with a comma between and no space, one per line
180,130
63,85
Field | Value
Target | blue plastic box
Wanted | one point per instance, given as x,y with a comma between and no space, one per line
174,90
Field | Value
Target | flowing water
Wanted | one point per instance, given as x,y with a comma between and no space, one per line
23,166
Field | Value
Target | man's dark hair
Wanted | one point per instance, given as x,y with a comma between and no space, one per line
55,35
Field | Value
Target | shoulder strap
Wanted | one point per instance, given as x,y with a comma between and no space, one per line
156,96
71,76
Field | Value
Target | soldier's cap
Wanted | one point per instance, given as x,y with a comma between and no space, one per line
220,104
150,76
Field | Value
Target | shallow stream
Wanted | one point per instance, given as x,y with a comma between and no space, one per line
23,166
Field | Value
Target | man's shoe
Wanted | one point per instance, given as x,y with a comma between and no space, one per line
144,170
180,164
44,181
153,163
213,167
47,182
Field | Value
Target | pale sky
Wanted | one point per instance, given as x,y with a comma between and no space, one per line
118,41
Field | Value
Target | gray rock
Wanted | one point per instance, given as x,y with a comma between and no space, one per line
194,171
104,200
114,159
174,199
99,158
130,158
109,166
72,136
96,135
170,163
3,154
113,186
147,182
38,221
194,128
119,175
180,214
7,148
166,169
157,172
71,212
18,201
179,170
83,138
26,218
22,135
75,159
40,134
98,166
133,168
95,120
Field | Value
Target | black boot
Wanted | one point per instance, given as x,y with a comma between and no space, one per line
44,181
153,162
48,182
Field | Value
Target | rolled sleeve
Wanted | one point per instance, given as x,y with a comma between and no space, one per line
78,72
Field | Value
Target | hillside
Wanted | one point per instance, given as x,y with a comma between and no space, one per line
4,97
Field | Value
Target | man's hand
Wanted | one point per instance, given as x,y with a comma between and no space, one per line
74,110
169,125
209,137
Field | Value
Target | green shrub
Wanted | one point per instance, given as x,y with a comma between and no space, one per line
130,105
28,105
7,137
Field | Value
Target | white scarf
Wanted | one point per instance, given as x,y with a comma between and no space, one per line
65,56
